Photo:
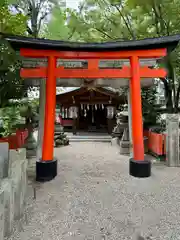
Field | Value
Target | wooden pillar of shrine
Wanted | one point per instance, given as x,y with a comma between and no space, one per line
139,167
46,167
74,126
110,125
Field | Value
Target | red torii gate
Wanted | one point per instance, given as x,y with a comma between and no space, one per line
46,168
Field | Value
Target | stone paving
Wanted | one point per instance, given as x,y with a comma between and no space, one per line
94,198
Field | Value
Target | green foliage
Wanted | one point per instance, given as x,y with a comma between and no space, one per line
29,109
11,85
150,114
128,19
37,12
56,28
10,117
111,20
14,23
61,140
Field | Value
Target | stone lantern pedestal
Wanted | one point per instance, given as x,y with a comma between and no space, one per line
125,142
121,131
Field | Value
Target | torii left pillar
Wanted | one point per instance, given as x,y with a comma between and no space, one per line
46,167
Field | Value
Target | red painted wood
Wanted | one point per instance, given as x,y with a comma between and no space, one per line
137,121
67,122
164,139
93,64
155,143
93,73
154,53
125,72
146,133
146,72
39,72
19,134
135,73
17,140
48,140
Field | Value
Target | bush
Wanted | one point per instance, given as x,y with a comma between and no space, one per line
61,140
10,117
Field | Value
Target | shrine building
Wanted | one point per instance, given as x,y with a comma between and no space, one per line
95,108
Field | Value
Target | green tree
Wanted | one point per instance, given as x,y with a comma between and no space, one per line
62,24
56,28
165,20
111,20
150,113
37,12
11,85
11,22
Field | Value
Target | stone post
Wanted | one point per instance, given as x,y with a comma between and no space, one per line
130,124
2,214
172,140
4,159
42,100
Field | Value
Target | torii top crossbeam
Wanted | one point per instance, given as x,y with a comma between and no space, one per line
18,42
93,52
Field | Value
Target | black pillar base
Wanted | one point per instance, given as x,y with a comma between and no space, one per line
46,170
140,169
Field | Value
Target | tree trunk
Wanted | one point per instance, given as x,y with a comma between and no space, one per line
168,95
169,87
177,99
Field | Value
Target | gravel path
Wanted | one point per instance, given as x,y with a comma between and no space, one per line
94,198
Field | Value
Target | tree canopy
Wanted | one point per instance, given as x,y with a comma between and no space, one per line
99,21
111,20
10,82
19,17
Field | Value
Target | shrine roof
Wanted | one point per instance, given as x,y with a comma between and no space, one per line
72,89
68,89
90,95
18,42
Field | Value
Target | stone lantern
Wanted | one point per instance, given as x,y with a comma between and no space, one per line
73,112
110,116
110,112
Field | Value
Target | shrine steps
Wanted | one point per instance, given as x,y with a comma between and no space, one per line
89,138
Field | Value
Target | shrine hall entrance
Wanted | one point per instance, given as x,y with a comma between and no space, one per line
93,119
92,109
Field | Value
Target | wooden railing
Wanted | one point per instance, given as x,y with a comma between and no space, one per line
16,140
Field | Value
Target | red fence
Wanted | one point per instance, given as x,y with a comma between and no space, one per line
16,140
67,122
164,135
156,143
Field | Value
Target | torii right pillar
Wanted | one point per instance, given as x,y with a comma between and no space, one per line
139,166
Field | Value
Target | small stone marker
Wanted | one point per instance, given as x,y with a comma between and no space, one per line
4,159
2,215
8,206
172,140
